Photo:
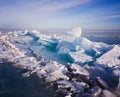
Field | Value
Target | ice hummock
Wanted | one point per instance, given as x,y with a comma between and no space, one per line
65,48
23,50
72,43
68,48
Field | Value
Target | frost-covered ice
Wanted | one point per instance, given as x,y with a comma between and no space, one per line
80,57
53,71
111,58
43,55
76,69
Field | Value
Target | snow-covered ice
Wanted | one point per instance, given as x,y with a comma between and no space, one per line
111,58
80,57
26,50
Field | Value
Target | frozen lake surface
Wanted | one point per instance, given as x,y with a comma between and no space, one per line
73,64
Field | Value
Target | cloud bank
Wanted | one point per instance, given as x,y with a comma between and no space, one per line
53,14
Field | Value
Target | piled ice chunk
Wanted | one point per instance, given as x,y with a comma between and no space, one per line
73,80
75,32
80,48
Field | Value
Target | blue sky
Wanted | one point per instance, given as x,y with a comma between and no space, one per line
59,14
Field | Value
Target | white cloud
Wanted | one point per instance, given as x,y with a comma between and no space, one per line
33,13
44,13
111,16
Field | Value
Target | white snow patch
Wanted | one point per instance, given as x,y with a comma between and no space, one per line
79,70
53,71
111,58
80,57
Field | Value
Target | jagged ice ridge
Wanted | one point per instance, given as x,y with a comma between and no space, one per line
21,49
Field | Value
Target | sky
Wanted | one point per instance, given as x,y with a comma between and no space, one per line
59,14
